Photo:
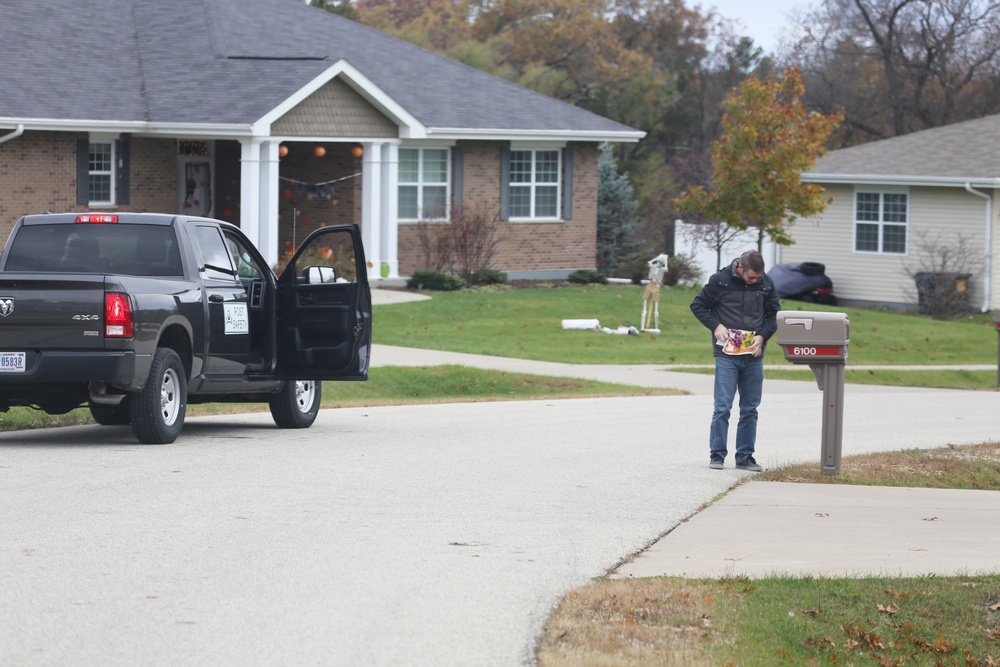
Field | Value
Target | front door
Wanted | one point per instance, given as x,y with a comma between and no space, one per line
324,309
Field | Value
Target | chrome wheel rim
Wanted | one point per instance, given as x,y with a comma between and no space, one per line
170,400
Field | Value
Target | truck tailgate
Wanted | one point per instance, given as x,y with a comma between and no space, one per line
64,312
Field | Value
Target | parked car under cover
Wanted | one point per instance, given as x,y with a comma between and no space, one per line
803,282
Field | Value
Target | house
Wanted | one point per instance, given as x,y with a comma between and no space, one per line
282,118
925,201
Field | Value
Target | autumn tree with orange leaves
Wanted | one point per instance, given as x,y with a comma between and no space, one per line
768,140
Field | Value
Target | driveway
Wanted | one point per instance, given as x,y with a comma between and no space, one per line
417,535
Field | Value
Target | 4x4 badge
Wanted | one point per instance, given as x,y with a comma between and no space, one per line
6,306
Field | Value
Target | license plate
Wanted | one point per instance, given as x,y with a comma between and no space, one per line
11,362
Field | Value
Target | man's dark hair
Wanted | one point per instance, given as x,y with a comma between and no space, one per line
752,260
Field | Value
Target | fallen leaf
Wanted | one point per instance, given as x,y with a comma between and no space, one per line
812,612
995,607
888,609
932,518
821,514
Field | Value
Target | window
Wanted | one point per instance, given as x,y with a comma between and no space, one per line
100,172
880,222
534,184
423,184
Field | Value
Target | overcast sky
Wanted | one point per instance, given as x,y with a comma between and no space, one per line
762,19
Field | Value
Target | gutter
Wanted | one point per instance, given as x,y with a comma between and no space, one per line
13,135
988,239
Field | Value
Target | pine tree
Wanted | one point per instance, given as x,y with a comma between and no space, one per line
616,215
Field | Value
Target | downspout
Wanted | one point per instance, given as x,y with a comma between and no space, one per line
988,239
13,135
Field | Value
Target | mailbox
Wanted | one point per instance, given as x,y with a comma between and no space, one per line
808,337
820,340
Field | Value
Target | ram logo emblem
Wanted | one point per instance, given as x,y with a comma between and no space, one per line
6,306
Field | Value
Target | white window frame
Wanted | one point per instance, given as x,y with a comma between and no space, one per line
110,173
420,184
882,223
533,184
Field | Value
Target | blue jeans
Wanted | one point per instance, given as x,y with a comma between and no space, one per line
746,374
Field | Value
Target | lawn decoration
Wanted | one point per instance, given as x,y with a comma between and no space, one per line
651,295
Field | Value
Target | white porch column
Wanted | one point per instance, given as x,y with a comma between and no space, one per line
371,206
267,233
249,188
390,209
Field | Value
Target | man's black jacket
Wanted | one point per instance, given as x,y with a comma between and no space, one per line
726,299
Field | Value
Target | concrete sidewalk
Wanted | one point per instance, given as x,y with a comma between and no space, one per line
775,528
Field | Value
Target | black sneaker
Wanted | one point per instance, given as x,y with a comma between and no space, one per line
715,463
749,465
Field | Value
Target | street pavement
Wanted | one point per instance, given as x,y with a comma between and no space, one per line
425,535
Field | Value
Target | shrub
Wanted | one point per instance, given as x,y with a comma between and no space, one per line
487,277
585,276
681,269
434,280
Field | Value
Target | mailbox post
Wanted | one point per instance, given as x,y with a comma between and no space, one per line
996,314
820,340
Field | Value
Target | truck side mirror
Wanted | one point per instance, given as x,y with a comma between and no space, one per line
320,275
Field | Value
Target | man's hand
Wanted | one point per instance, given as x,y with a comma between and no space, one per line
757,346
721,333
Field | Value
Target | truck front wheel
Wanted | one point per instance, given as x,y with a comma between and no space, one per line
297,404
157,411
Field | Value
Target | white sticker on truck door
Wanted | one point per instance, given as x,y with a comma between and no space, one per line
237,318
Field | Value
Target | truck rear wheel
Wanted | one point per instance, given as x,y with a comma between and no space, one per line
158,409
111,415
297,404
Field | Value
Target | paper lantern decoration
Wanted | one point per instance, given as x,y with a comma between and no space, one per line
288,193
319,151
282,150
357,151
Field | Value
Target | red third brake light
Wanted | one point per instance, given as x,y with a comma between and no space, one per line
117,315
97,217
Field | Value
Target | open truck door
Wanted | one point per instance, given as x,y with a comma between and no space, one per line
324,309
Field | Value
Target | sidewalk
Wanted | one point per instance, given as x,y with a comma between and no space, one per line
763,528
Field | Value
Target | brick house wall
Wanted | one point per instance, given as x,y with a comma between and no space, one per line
38,174
526,247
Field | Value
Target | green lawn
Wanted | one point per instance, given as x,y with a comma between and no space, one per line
525,323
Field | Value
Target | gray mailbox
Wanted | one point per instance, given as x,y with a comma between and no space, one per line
820,340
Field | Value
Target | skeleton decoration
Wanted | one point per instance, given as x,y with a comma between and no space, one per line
651,295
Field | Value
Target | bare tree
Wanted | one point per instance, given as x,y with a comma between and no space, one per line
897,66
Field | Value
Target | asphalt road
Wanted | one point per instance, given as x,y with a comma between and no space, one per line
415,535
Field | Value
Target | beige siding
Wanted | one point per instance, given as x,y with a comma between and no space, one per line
335,110
936,215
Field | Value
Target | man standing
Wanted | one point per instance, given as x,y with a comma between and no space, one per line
738,299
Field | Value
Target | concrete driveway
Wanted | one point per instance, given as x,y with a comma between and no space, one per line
417,535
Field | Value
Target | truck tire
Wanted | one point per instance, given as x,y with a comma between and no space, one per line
297,404
158,410
111,415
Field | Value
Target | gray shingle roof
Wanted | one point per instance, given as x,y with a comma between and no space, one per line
965,151
232,61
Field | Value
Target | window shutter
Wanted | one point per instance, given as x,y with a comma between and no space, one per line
504,182
458,175
123,150
567,202
82,171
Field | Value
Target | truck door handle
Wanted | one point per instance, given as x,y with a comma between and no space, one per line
216,298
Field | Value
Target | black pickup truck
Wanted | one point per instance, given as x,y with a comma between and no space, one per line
138,314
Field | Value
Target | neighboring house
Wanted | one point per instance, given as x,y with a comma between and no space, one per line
282,118
898,204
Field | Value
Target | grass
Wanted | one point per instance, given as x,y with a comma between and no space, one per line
525,323
797,620
391,386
